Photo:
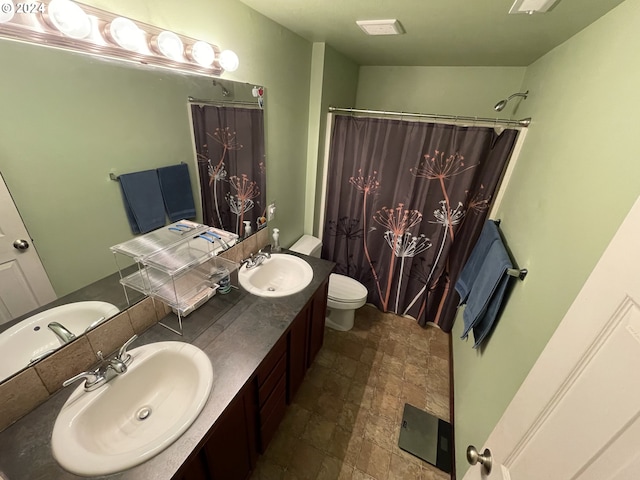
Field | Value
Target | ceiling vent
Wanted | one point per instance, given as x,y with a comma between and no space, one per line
381,27
532,6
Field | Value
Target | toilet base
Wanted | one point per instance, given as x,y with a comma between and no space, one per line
341,320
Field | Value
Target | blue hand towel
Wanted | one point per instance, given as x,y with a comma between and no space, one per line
487,293
176,191
471,269
142,200
483,327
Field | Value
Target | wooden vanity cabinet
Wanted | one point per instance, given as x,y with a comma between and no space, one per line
229,451
317,314
305,339
248,424
270,386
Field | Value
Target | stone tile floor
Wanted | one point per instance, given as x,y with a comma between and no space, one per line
344,422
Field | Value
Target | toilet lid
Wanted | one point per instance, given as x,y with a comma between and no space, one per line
345,289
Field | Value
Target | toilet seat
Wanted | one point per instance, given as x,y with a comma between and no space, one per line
345,292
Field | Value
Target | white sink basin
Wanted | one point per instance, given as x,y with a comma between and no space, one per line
31,338
137,414
278,276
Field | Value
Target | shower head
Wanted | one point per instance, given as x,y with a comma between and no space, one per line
503,103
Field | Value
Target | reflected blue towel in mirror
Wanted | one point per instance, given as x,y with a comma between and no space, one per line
142,200
176,192
482,283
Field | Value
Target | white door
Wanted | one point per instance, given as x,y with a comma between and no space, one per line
577,414
24,284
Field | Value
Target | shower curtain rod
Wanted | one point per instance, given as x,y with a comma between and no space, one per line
525,122
223,102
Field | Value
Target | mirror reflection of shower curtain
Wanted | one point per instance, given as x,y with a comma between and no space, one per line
406,202
231,165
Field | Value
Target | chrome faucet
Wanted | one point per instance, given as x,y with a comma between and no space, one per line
255,260
61,332
107,370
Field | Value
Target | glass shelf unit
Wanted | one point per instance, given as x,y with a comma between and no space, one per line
177,265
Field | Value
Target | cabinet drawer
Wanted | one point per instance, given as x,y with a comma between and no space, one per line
272,380
271,360
270,424
273,401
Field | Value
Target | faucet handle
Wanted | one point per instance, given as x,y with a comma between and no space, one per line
91,379
123,356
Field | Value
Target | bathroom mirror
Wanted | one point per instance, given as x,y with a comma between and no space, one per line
69,121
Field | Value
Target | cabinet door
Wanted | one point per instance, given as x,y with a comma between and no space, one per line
317,320
297,359
196,469
228,451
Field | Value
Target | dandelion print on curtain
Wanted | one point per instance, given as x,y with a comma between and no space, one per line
230,150
406,202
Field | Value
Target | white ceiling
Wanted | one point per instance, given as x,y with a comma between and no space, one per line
438,32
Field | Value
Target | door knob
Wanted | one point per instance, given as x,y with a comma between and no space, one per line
473,457
21,244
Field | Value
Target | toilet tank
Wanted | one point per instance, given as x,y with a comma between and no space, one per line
307,245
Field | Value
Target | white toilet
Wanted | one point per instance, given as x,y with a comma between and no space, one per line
345,294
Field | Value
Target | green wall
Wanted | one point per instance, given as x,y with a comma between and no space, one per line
467,91
70,119
339,81
574,182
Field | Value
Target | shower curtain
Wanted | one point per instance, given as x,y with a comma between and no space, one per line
405,204
230,149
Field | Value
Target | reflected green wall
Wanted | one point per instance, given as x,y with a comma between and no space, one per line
69,119
576,179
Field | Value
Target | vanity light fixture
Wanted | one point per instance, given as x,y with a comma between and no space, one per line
532,6
202,53
81,28
169,45
229,61
7,11
125,33
68,18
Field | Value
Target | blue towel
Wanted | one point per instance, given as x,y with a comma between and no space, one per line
471,269
484,283
142,200
176,191
487,293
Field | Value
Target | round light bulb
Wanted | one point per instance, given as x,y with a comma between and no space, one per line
126,33
7,11
229,61
202,53
170,45
68,18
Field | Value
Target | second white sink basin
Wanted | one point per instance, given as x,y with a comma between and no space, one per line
137,414
278,276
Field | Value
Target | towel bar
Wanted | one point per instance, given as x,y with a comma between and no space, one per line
514,272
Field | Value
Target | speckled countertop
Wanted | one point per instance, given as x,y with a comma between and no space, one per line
236,331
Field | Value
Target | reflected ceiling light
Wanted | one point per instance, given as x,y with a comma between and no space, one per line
7,10
169,45
125,33
68,18
229,61
202,53
532,6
